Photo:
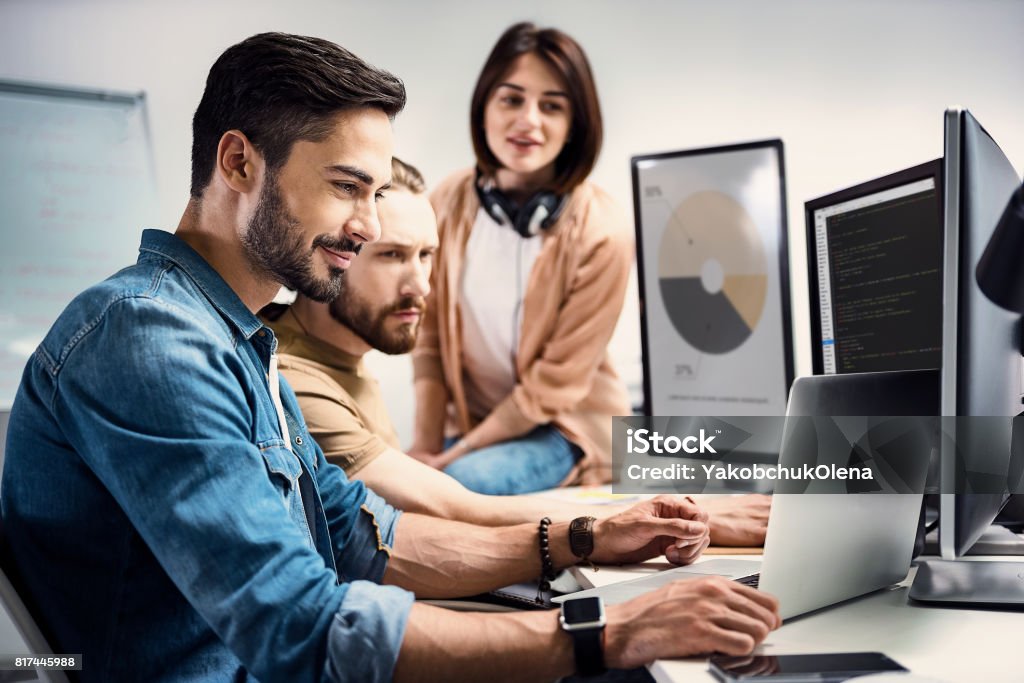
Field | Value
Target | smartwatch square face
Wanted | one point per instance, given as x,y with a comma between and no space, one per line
582,610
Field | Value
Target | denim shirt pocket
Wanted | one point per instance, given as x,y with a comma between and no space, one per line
284,470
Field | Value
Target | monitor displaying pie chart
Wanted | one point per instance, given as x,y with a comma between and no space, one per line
712,272
712,260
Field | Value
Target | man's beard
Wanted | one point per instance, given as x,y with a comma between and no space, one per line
275,246
370,325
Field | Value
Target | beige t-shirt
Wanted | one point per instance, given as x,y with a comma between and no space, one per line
340,401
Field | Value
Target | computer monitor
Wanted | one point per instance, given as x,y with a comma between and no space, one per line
713,266
4,416
981,369
981,354
874,256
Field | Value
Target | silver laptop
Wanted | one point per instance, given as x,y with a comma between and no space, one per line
825,548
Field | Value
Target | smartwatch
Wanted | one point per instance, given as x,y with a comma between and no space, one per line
583,619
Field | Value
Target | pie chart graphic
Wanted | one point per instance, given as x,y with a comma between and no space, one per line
712,272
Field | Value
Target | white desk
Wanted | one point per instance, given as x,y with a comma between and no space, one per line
953,645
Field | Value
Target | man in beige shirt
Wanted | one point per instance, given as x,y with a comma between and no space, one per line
321,349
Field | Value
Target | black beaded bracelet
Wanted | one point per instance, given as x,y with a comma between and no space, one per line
547,567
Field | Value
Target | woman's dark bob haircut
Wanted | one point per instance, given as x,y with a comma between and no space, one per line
563,54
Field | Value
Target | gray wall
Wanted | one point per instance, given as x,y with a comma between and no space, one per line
855,89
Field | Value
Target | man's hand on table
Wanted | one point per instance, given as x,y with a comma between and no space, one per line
673,526
690,617
687,617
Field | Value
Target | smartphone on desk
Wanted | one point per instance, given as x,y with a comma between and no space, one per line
823,668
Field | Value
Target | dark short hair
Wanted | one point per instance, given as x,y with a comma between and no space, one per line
406,176
563,54
279,88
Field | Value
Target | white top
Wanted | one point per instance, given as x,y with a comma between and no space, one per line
497,267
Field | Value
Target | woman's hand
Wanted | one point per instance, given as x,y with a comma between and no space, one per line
435,460
441,460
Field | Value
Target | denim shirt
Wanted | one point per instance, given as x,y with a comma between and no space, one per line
158,521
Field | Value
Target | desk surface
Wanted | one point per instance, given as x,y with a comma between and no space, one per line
953,645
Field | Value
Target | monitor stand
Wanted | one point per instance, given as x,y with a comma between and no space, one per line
997,540
965,583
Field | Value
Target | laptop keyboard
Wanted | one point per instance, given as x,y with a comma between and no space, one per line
753,580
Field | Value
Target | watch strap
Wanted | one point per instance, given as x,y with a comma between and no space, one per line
588,651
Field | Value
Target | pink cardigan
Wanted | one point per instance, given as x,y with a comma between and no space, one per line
570,307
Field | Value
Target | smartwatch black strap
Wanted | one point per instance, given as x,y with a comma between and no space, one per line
584,620
589,651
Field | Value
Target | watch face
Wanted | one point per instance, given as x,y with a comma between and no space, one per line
582,610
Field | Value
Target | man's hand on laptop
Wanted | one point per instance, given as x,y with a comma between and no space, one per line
689,617
738,520
672,526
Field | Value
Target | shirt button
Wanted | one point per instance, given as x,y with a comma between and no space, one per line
261,333
298,440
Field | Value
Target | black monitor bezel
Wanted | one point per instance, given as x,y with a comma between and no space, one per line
784,288
963,517
931,169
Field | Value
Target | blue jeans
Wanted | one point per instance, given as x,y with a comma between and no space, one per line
534,462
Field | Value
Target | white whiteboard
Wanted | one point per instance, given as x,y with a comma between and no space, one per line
76,190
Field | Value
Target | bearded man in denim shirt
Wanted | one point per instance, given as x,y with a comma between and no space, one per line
168,514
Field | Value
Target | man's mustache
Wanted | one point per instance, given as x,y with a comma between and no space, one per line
334,244
407,303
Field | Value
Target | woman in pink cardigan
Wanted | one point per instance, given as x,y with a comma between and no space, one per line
529,281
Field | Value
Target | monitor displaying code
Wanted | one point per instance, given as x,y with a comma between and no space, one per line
879,261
